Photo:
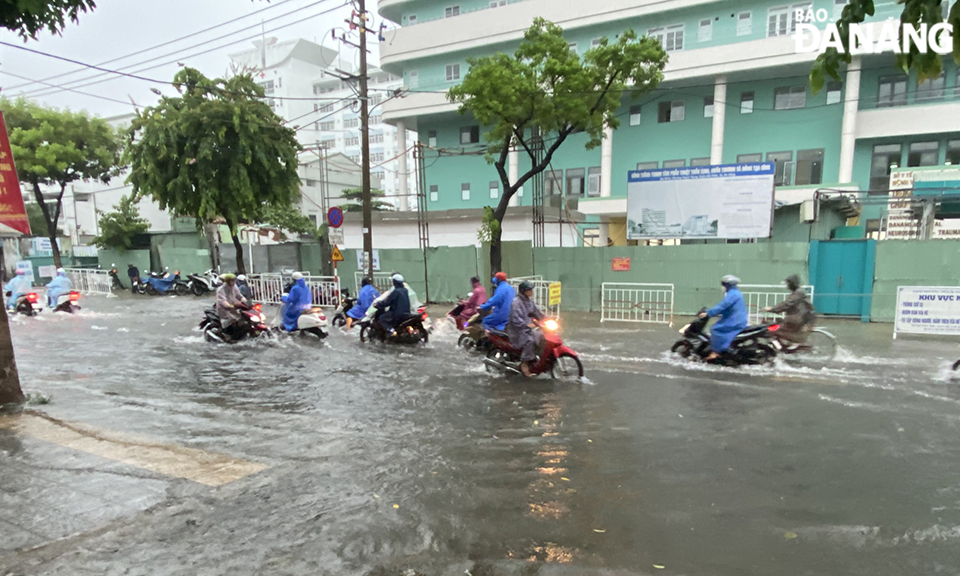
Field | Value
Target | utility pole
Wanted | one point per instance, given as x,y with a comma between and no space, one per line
365,144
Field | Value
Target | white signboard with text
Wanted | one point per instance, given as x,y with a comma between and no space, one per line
722,201
362,263
928,310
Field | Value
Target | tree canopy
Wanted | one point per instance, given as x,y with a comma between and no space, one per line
29,17
355,196
216,150
545,92
290,219
120,225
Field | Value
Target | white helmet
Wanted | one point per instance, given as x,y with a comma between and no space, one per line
297,276
397,278
242,277
730,280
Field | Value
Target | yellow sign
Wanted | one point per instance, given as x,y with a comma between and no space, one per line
554,299
337,256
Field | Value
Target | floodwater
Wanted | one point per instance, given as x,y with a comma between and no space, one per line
386,460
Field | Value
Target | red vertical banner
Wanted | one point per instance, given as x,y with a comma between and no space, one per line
12,211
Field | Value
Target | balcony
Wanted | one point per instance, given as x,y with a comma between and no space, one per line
937,118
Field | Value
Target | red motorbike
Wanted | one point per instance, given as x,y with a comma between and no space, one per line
556,359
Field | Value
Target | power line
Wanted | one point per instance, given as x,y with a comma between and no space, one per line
107,98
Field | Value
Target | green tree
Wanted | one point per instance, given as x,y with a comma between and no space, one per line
915,12
119,226
288,218
355,196
38,225
545,92
29,17
216,150
54,148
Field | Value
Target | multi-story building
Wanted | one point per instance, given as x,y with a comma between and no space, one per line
735,90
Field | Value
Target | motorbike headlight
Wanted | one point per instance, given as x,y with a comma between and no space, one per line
256,318
551,325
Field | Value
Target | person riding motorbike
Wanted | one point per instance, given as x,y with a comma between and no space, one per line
244,287
228,298
57,287
732,311
396,306
18,286
797,309
522,325
499,304
134,274
294,303
467,308
368,293
415,303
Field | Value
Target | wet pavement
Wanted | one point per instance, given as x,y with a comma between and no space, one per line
160,454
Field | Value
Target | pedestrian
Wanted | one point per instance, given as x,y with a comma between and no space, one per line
134,274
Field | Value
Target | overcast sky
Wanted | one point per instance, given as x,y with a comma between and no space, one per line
118,28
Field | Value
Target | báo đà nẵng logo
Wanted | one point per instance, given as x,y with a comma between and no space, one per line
869,38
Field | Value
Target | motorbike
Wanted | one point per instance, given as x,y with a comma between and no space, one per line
161,285
205,283
116,284
311,321
752,346
28,304
340,314
251,326
68,302
557,359
473,336
410,331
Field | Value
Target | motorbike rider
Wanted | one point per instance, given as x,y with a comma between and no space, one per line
522,325
365,298
499,304
415,303
57,287
228,299
17,287
294,303
732,311
244,287
468,308
396,306
797,309
134,274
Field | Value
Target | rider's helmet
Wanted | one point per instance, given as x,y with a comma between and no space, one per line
525,286
397,280
729,280
792,282
297,276
366,281
498,278
228,276
242,278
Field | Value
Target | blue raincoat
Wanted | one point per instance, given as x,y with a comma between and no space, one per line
364,301
732,311
296,302
57,287
500,303
18,286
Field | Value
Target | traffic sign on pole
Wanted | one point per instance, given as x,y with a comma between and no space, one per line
335,217
337,256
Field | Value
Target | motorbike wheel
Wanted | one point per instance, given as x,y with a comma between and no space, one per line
212,335
366,333
424,335
339,321
317,332
765,354
181,290
197,289
566,366
151,290
466,342
682,348
496,356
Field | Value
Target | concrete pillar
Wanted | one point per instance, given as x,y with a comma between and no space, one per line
719,114
513,170
848,131
606,162
402,165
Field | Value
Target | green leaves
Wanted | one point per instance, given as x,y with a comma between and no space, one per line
118,227
355,195
29,17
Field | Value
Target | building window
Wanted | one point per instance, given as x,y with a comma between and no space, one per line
834,92
746,102
886,157
700,161
413,79
872,229
575,182
635,115
923,154
326,109
705,30
374,120
469,134
328,144
671,37
595,42
809,168
376,100
893,91
552,183
494,189
376,138
310,183
744,24
351,122
352,141
327,126
674,164
495,3
749,158
783,174
671,111
573,47
434,193
464,191
782,20
411,19
453,72
789,97
451,11
593,182
591,237
376,157
647,165
953,153
432,138
708,107
931,89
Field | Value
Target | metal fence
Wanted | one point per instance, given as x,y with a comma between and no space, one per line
636,302
760,296
90,280
541,293
269,288
381,281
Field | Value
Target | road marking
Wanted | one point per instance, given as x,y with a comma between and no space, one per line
208,468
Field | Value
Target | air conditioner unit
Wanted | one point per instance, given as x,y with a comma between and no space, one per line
808,211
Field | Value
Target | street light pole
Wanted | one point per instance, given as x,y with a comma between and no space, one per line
365,144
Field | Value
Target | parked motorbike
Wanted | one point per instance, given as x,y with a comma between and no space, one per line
116,284
68,302
205,283
311,321
251,326
168,284
410,331
28,304
346,303
753,345
557,359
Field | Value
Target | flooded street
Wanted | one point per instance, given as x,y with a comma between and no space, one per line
379,460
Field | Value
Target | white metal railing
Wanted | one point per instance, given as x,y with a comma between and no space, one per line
381,281
541,293
90,281
636,302
269,288
760,296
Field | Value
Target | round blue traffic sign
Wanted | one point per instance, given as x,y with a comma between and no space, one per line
335,217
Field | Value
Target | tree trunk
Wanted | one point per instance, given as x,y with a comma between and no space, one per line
10,392
241,266
51,222
210,231
495,252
